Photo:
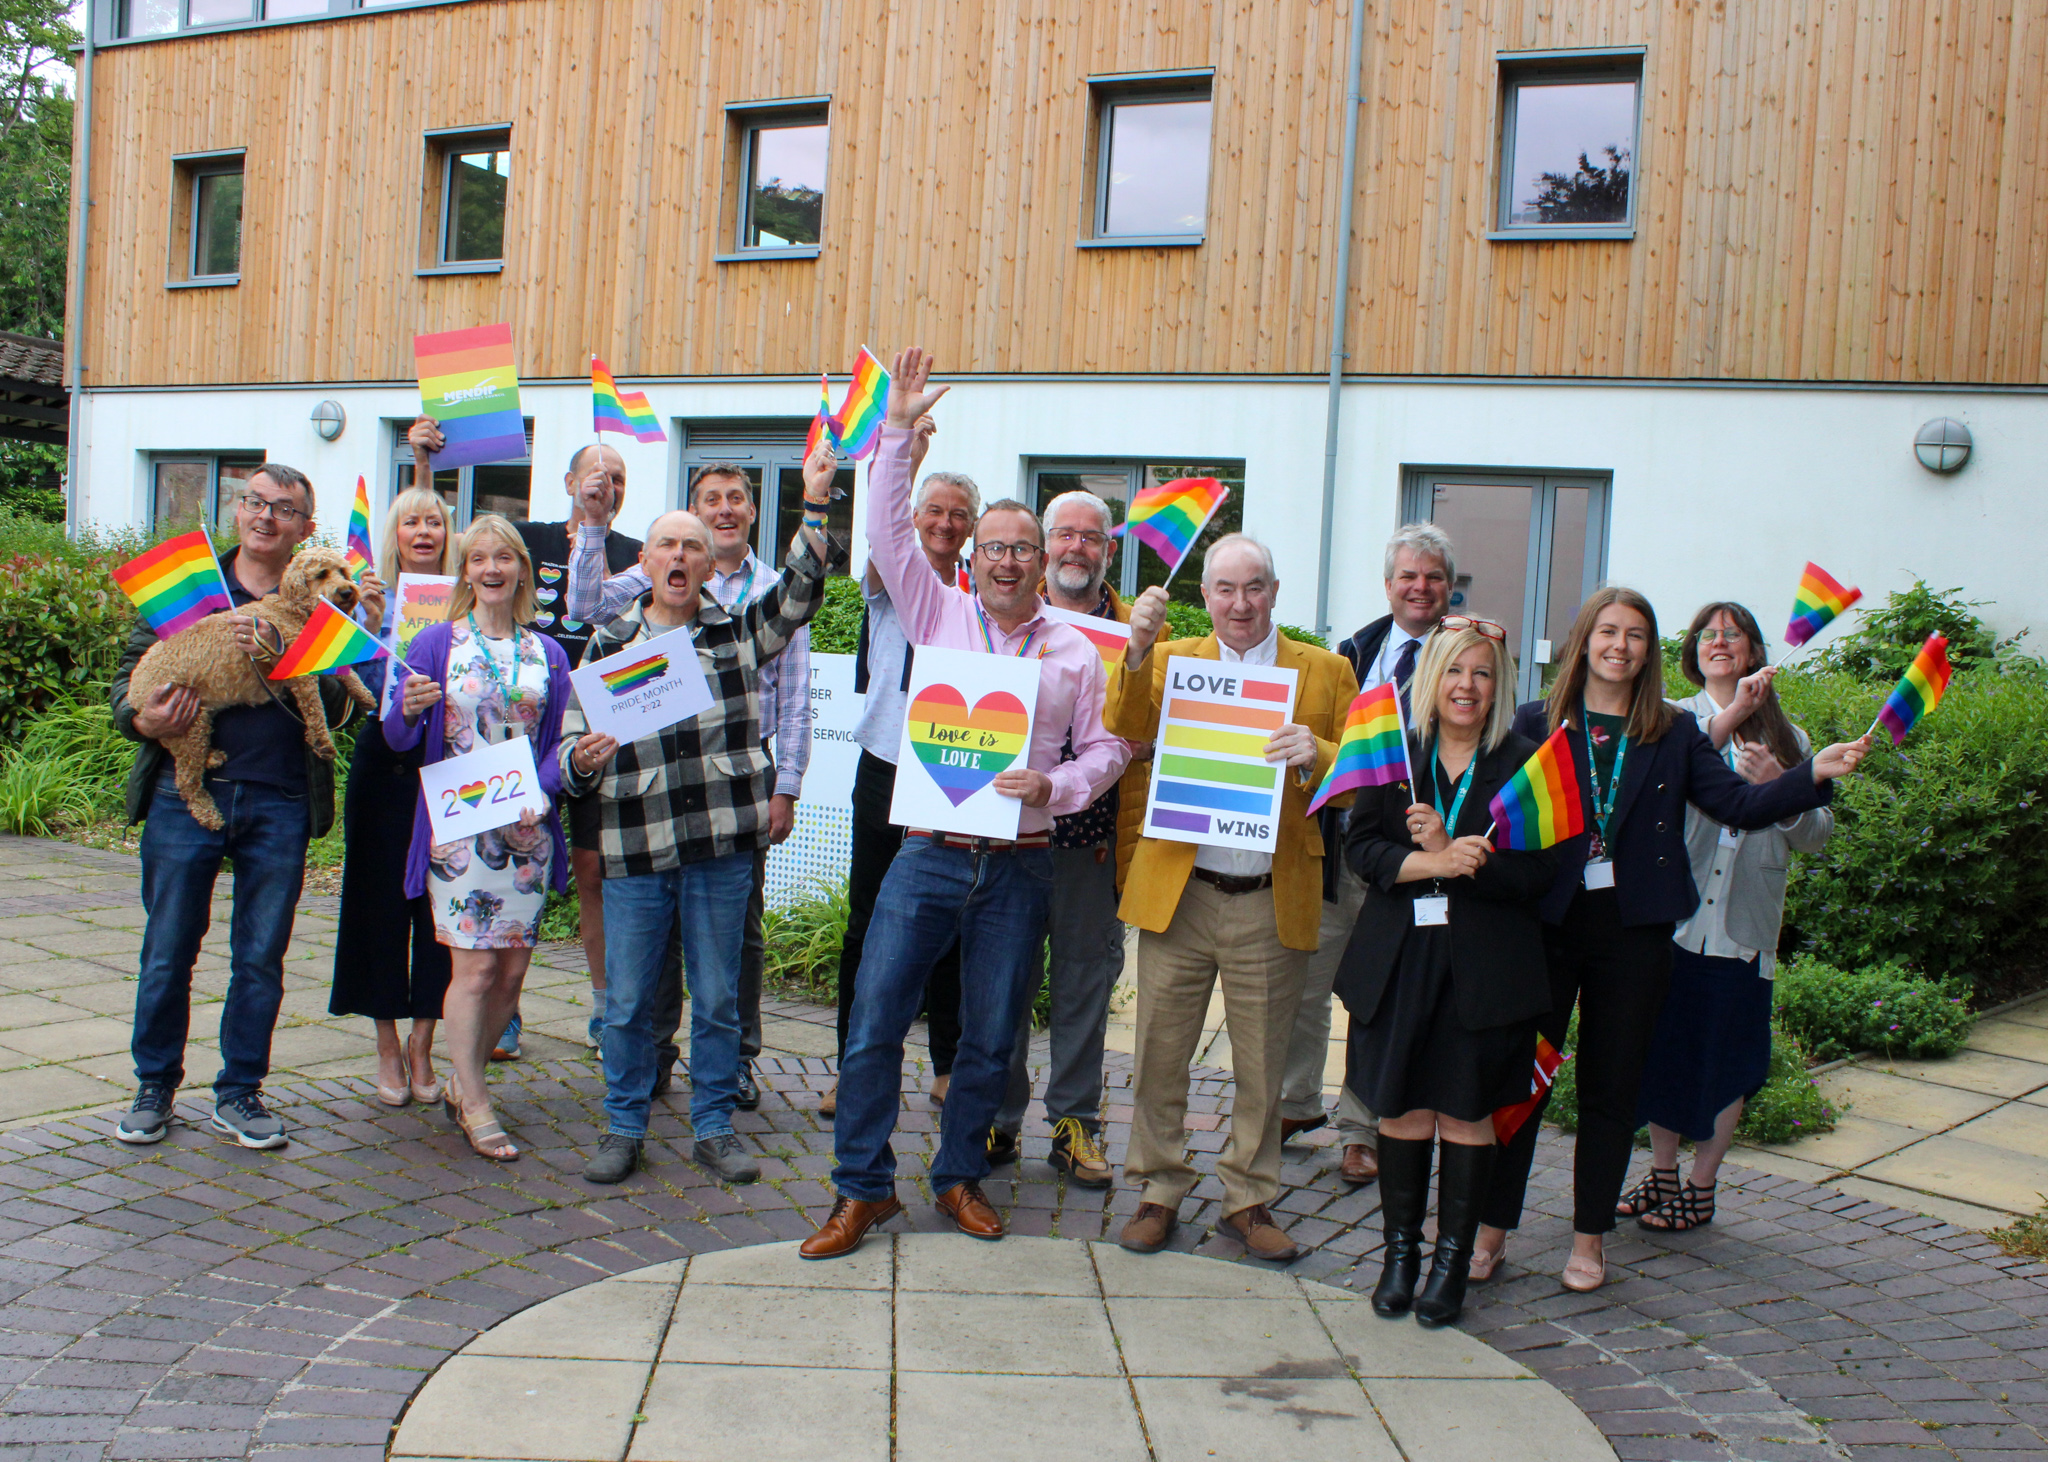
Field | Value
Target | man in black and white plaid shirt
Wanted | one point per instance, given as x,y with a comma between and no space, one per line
683,812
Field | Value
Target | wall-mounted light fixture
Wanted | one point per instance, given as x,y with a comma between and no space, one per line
1942,445
329,419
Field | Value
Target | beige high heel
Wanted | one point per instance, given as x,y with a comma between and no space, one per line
426,1095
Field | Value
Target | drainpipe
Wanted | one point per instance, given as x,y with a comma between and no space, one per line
1352,102
81,185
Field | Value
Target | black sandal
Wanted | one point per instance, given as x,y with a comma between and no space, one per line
1653,1193
1692,1208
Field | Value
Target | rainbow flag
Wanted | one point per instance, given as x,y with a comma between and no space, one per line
360,556
632,677
1541,805
1171,515
1508,1120
177,583
1919,691
1373,750
469,385
329,641
1819,600
621,411
858,426
821,424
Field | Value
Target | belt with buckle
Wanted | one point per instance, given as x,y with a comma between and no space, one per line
1234,883
980,845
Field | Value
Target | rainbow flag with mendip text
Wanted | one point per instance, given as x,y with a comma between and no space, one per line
176,584
1373,749
1541,805
1919,690
621,411
469,386
1171,515
329,641
1819,600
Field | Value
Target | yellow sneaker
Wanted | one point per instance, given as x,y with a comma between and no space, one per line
1078,1153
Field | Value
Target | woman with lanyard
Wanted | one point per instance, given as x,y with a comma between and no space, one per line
1712,1050
1621,888
480,679
1443,975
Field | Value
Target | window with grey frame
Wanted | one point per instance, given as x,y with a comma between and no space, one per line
486,487
476,177
1152,144
1569,146
784,152
196,489
770,452
165,17
1137,567
216,220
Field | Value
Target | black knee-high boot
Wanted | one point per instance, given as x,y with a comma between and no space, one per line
1404,1198
1463,1174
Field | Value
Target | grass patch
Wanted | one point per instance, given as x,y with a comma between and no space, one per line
2025,1238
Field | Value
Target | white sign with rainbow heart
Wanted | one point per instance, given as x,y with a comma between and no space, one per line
480,790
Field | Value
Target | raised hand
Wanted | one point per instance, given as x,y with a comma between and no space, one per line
921,434
819,470
909,378
1148,618
1841,759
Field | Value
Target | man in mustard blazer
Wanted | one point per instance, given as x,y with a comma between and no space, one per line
1250,919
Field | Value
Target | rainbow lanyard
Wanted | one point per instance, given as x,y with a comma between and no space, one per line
981,619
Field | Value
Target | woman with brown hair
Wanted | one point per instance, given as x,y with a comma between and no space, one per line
1622,886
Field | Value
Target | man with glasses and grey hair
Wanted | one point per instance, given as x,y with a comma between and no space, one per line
1419,577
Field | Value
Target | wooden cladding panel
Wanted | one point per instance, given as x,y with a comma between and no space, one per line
1826,190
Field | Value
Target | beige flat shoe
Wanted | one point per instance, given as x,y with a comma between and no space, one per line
1583,1276
1485,1262
940,1086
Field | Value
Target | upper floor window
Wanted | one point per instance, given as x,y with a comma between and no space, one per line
1151,159
475,186
1569,146
162,17
782,157
217,220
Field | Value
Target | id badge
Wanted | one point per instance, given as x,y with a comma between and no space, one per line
1730,838
1600,873
1433,909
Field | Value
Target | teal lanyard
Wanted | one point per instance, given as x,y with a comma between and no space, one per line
740,601
1603,800
491,665
1458,799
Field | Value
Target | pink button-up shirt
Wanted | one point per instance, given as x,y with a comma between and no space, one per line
1070,674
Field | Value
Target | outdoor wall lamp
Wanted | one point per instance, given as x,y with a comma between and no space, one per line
329,419
1942,445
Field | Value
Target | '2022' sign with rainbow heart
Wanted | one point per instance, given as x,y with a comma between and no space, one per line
963,748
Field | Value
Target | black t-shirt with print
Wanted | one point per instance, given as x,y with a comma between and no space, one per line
548,545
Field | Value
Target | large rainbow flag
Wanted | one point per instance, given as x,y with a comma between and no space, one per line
468,384
360,555
621,411
1541,805
1919,690
329,641
177,583
1171,515
1373,750
1819,600
858,426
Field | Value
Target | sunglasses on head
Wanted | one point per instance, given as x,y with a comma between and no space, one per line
1458,623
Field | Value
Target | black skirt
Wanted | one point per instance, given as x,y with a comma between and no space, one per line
1415,1054
387,963
1713,1043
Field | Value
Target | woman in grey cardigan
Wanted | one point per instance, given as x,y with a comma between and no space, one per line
1712,1050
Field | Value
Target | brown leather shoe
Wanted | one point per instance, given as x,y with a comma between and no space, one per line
970,1211
849,1224
1262,1238
1360,1166
828,1104
1290,1127
1150,1229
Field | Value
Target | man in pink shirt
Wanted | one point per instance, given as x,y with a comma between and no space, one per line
992,893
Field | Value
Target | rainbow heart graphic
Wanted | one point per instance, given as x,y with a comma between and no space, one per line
473,793
962,749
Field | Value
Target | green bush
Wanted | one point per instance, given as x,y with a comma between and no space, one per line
836,630
78,734
1836,1013
1885,640
37,796
801,938
66,622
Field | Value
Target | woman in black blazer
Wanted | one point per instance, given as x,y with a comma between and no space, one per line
1621,887
1443,975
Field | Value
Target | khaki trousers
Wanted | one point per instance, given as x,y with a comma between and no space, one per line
1232,937
1301,1087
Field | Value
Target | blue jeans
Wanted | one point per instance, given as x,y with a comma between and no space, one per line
994,904
709,901
264,830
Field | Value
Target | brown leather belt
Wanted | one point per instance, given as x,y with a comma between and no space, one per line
1233,883
980,845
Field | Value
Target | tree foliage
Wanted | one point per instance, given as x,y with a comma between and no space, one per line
1588,194
35,163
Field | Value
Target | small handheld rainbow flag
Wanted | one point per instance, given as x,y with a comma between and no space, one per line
821,424
1919,690
1541,804
359,554
1818,601
177,583
858,426
1373,751
329,641
1508,1120
1171,515
621,411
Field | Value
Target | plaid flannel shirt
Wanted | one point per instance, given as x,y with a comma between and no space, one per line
700,789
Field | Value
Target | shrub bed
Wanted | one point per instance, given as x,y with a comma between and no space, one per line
1836,1013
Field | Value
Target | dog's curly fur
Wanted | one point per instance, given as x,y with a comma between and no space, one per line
205,658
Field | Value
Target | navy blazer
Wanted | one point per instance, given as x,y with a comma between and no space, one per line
1652,872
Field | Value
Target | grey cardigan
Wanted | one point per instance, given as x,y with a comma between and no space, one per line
1755,894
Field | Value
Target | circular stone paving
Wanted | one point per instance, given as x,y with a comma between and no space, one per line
922,1346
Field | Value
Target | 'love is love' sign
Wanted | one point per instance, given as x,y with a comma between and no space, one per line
968,719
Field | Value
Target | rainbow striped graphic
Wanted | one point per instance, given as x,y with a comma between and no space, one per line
821,424
1109,636
632,677
620,411
329,641
1194,737
1508,1120
360,556
1818,601
469,385
1541,805
1373,751
1919,690
962,749
858,426
1171,515
176,584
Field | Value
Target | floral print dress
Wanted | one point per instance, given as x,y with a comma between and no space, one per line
487,891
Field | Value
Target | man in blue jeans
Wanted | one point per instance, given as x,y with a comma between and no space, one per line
683,812
273,794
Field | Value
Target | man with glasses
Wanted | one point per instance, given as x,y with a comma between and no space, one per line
989,892
274,796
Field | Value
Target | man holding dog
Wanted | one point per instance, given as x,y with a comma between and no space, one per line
274,796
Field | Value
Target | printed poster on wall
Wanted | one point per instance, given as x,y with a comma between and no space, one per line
968,718
480,790
646,687
1211,782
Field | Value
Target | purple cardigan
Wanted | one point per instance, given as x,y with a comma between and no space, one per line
428,656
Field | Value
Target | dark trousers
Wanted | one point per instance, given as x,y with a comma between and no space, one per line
387,963
875,841
1618,978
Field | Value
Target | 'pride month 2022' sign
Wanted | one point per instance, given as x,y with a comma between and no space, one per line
1211,782
644,688
968,719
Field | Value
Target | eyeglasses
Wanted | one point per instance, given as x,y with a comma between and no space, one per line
1067,537
1459,623
1722,637
1021,552
258,506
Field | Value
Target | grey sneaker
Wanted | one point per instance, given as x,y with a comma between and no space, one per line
248,1121
724,1158
615,1161
149,1118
